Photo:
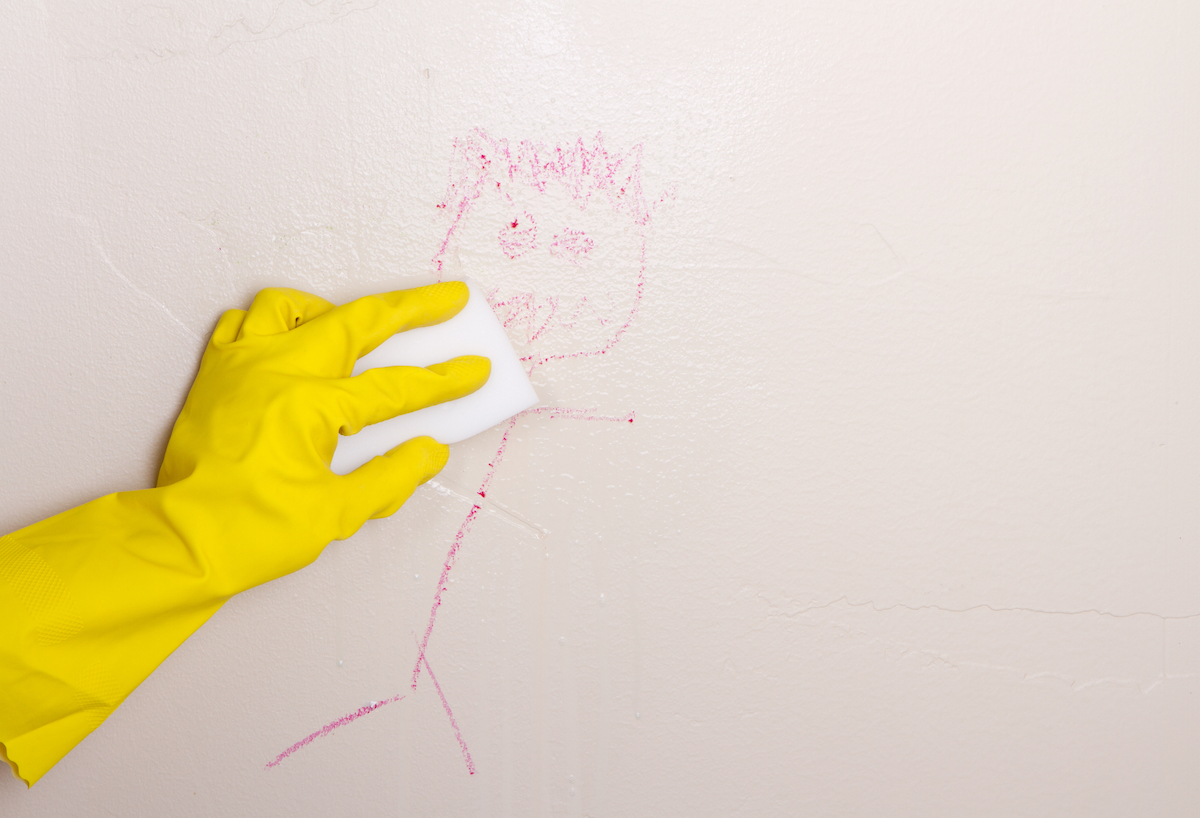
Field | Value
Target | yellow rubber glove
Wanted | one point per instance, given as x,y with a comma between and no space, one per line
93,599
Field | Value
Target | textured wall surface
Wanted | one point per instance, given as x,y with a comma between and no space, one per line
881,499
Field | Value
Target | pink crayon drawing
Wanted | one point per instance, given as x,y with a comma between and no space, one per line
489,174
329,728
483,165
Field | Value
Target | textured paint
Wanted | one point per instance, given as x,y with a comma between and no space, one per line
865,479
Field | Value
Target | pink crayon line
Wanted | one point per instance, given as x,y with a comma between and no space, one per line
333,725
450,715
579,414
451,557
452,554
499,456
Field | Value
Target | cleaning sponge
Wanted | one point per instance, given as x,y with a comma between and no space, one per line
474,331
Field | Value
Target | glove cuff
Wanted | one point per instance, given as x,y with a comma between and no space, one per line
92,600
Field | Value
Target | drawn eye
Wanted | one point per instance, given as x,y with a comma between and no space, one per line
574,245
519,236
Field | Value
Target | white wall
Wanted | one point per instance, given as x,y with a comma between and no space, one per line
906,519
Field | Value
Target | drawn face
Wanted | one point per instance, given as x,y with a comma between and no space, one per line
567,228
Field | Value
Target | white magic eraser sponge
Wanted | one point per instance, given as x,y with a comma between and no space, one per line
474,331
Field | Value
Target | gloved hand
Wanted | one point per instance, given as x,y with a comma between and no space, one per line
93,599
256,435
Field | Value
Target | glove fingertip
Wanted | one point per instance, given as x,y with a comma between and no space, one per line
426,456
430,304
228,327
471,371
